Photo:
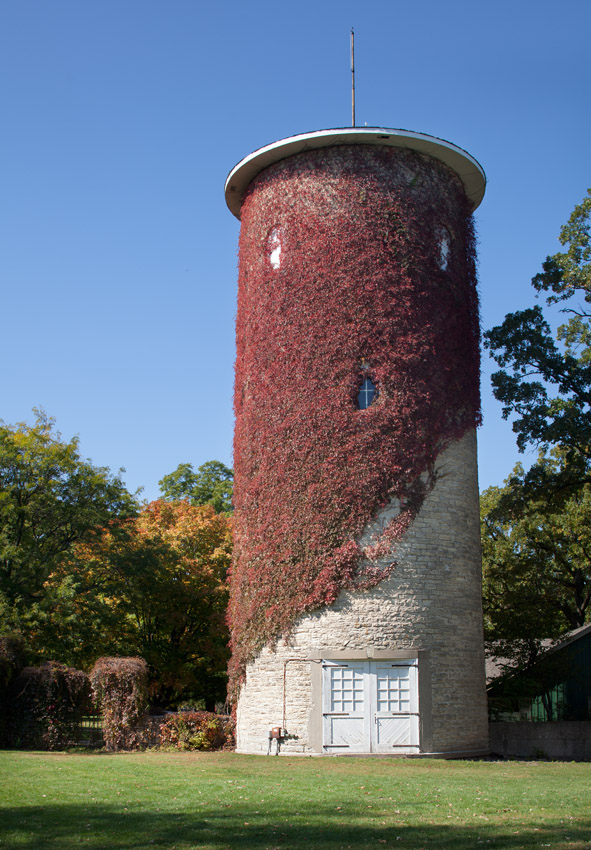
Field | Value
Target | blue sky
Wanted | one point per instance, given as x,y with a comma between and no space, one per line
121,120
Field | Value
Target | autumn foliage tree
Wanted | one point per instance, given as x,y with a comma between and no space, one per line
161,578
84,572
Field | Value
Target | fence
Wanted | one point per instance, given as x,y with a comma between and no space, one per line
89,732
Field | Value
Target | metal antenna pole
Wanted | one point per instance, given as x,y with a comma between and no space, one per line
352,77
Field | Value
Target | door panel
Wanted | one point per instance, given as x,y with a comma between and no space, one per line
345,706
396,723
347,732
392,732
370,706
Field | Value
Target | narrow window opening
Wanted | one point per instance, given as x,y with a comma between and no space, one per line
367,394
274,246
444,248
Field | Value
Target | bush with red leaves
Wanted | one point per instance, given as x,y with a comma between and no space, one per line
46,705
197,730
120,688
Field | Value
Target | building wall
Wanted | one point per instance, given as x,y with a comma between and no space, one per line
561,739
430,605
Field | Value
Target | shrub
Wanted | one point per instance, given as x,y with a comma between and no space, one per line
11,657
120,688
11,663
47,705
197,730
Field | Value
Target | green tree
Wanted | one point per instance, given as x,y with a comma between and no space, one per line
536,549
212,484
50,499
545,379
535,529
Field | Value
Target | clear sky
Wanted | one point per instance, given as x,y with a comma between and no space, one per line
120,121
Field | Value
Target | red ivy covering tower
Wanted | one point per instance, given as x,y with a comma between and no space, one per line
356,262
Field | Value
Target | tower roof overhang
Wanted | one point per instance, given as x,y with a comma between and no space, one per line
465,166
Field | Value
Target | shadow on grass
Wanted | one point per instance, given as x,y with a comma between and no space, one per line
102,827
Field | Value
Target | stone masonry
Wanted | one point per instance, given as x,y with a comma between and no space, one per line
430,607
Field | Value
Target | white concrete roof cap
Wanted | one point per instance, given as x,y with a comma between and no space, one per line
465,166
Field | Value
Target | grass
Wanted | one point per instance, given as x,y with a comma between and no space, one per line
224,801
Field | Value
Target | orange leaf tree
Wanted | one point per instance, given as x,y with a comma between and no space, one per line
160,582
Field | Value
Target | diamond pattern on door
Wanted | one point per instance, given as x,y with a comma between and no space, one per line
347,732
370,706
392,732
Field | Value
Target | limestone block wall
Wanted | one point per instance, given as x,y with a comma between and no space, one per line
429,607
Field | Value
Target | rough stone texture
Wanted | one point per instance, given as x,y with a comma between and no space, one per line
432,601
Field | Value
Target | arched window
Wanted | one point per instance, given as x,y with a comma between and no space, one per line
274,246
444,248
367,394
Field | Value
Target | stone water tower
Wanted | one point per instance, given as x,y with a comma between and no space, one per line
355,602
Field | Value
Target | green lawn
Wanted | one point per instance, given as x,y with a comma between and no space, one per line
223,801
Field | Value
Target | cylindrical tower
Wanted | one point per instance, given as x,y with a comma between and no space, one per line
355,602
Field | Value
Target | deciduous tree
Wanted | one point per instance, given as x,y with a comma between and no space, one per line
545,379
210,485
535,529
162,578
50,499
536,562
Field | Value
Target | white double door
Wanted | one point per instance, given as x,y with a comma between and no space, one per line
370,706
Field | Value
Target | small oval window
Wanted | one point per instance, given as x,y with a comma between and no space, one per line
367,394
274,246
444,248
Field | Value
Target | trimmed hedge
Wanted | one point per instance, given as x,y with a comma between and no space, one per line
46,706
120,688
